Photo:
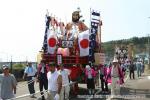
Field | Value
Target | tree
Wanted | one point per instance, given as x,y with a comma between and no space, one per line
18,66
139,44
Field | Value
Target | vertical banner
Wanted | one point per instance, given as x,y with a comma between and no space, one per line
45,46
95,20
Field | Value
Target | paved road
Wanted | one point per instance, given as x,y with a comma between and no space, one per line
23,93
138,89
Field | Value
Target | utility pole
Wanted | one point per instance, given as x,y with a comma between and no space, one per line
149,51
11,65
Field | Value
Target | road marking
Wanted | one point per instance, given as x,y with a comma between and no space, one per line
148,77
25,95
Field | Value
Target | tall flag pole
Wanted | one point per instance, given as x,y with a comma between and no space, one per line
95,21
99,36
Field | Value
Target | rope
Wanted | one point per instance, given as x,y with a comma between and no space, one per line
42,94
26,95
28,82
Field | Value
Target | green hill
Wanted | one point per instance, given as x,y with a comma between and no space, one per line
140,45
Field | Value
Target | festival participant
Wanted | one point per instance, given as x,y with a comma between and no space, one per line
54,83
131,69
73,79
139,68
29,74
90,75
116,77
103,79
42,77
65,82
8,84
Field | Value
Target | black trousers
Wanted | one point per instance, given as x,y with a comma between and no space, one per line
131,74
103,82
30,85
90,83
43,83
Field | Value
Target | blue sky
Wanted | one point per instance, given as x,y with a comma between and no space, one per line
126,18
22,22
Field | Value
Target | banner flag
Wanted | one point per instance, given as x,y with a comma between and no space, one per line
95,13
95,21
48,18
83,41
51,41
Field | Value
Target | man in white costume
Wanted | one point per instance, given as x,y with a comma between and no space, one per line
65,82
54,83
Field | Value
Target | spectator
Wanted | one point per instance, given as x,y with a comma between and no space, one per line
8,84
29,75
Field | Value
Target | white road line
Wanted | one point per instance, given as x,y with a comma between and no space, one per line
148,77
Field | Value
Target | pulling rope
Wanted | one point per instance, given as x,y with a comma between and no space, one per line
28,82
44,91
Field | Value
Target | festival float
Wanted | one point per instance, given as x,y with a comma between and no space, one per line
72,44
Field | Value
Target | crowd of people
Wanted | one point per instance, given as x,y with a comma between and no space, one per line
56,80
